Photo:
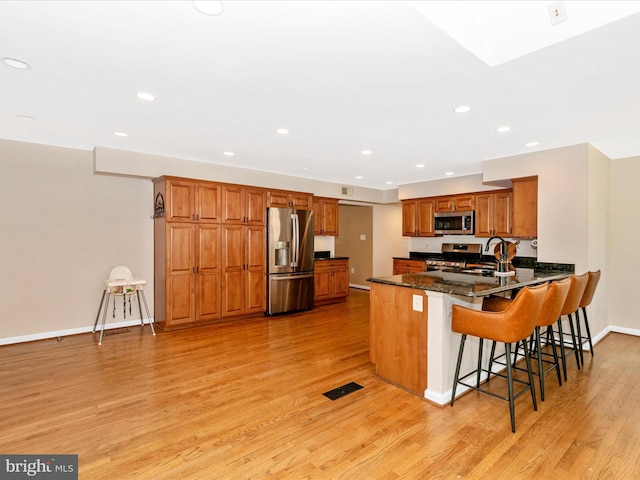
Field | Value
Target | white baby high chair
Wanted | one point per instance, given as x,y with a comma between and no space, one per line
121,283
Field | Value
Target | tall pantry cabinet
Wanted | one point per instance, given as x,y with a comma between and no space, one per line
207,233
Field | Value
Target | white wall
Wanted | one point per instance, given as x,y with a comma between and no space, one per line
63,229
624,261
388,241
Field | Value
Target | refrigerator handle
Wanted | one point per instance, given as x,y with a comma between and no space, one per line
295,227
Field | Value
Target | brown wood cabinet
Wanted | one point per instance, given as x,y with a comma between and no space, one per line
191,200
243,270
284,199
331,281
455,203
493,214
525,207
210,252
403,266
417,217
325,211
243,205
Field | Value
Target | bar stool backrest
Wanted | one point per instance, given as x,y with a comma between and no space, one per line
576,290
553,302
514,323
594,278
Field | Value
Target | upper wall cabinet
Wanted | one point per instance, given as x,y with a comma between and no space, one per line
325,211
525,207
417,217
243,205
493,214
190,200
283,199
455,203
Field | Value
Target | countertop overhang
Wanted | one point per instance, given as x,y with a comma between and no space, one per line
468,284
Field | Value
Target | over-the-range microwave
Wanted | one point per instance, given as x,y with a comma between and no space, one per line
454,223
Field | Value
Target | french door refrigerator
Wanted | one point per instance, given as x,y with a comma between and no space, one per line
289,260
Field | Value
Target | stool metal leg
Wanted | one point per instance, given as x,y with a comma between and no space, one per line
532,385
95,325
146,307
457,374
573,340
564,361
512,409
104,316
586,326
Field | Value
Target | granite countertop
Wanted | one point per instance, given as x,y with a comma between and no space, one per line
330,258
470,285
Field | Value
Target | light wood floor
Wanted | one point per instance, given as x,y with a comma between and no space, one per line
245,400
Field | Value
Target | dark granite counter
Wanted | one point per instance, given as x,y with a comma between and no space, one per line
330,258
470,285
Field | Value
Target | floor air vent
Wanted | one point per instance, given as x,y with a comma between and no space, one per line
339,392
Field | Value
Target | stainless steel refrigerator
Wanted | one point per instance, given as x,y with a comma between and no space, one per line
289,260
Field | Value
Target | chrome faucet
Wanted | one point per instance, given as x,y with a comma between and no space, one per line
503,248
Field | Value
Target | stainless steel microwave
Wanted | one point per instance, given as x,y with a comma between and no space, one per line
454,223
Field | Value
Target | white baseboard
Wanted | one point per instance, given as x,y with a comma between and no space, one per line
70,331
359,287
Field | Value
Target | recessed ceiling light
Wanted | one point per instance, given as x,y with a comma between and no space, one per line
15,63
462,109
420,165
448,174
229,154
366,152
503,129
121,134
531,144
282,131
388,183
147,97
208,7
25,117
359,177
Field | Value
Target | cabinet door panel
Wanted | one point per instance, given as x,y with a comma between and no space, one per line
181,257
209,248
502,214
232,204
255,204
425,218
331,218
340,282
484,215
277,199
256,291
233,248
301,201
180,299
208,199
322,281
233,291
409,218
180,201
208,296
318,216
256,247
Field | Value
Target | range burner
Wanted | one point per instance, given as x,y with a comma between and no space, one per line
457,255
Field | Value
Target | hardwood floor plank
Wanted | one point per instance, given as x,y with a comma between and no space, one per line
244,400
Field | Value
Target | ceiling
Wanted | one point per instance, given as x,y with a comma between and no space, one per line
342,77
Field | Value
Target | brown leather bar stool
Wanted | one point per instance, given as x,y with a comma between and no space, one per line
512,325
587,297
578,284
549,312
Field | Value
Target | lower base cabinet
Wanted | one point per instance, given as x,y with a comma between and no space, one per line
331,281
403,266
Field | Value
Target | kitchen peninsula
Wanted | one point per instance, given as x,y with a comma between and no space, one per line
412,344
